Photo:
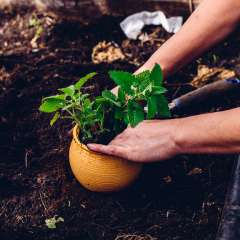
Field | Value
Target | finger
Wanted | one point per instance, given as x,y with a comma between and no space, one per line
114,150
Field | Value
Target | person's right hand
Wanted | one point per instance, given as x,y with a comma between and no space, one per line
149,141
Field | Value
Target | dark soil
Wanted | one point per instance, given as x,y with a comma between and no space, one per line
178,199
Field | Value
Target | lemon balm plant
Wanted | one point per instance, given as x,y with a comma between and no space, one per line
134,93
72,104
100,119
108,113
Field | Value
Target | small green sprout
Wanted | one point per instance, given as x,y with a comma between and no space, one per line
35,23
51,223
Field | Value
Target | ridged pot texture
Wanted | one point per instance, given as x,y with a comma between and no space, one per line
99,172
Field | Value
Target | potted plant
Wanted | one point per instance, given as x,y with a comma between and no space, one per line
99,119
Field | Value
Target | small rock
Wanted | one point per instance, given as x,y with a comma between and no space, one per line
167,179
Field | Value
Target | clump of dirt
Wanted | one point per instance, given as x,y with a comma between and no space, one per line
171,200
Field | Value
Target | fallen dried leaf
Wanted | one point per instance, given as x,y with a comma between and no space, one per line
206,75
106,52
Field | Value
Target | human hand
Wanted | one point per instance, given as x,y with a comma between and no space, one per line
149,141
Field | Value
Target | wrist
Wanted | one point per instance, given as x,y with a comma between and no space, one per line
189,136
169,130
177,138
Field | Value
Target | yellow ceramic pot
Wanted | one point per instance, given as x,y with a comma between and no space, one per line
99,172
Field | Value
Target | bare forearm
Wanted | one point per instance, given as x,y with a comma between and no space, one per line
211,22
209,133
158,140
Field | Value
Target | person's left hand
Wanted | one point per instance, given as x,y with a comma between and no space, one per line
149,141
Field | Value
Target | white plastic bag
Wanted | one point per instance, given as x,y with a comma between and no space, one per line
133,24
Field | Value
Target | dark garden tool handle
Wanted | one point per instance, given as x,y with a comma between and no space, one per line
230,222
210,90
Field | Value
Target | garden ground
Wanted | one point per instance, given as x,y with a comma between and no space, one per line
178,199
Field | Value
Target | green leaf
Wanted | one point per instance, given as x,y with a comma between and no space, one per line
156,75
89,134
87,103
100,115
111,98
126,119
83,80
119,114
135,113
163,109
156,90
143,76
136,105
130,112
55,118
69,91
144,81
121,95
131,118
101,103
152,107
145,88
138,117
123,79
90,117
158,104
58,97
83,96
100,100
51,105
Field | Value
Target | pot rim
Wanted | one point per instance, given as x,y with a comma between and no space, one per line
76,131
